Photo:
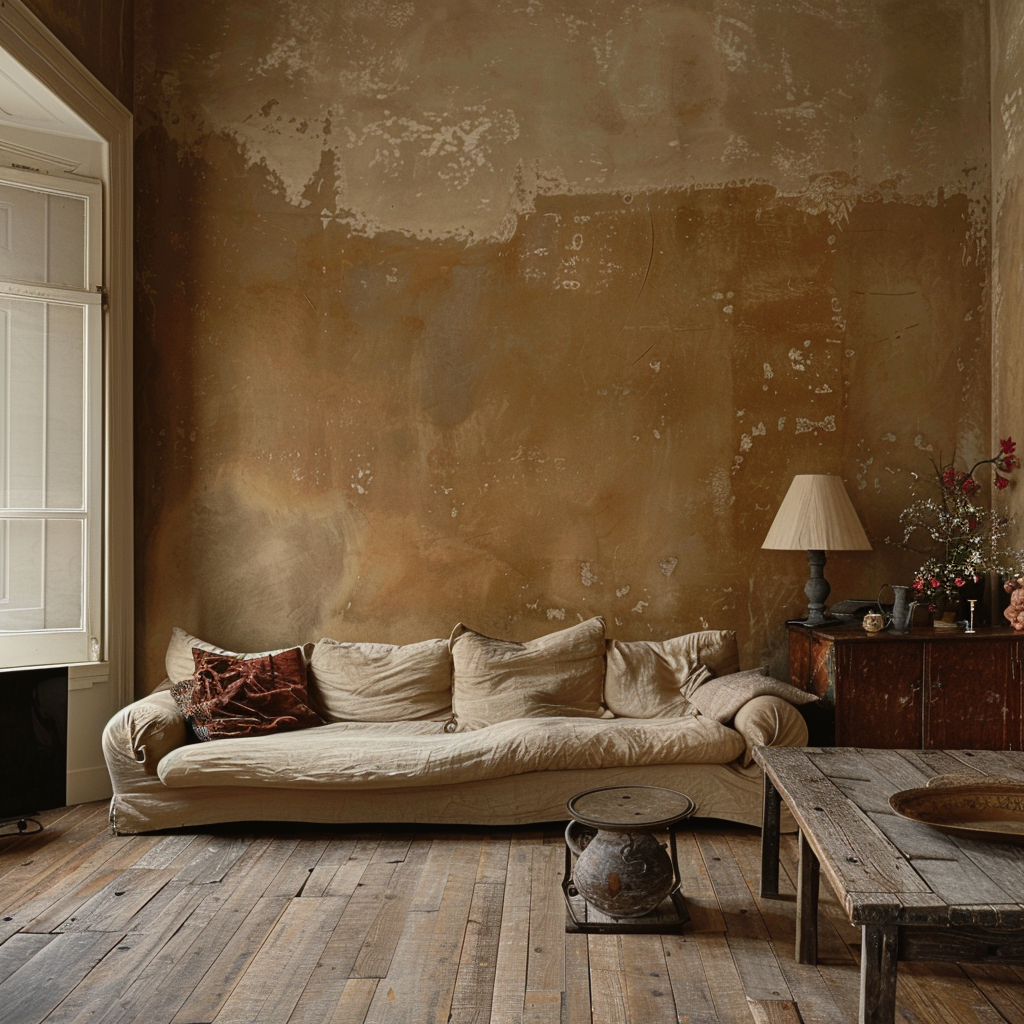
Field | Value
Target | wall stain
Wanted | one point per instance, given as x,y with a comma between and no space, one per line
521,315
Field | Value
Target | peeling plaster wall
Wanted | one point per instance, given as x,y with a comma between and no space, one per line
1008,232
521,313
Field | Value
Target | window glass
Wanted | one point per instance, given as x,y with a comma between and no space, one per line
42,237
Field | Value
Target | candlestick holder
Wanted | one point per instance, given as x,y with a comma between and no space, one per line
970,621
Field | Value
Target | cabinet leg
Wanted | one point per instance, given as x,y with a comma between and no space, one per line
878,960
808,874
770,825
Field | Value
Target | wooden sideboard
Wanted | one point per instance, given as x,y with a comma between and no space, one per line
925,689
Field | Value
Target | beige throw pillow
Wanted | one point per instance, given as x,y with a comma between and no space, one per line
180,664
557,674
353,682
654,679
721,698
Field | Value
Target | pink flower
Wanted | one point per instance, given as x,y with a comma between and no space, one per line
1001,482
959,581
1008,445
934,582
919,584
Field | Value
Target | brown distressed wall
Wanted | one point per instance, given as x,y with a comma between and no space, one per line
1008,232
100,33
520,313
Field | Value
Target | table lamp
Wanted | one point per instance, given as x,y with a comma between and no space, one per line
816,516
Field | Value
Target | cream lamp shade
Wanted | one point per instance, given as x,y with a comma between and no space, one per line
816,516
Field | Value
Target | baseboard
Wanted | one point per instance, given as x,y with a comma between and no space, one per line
88,784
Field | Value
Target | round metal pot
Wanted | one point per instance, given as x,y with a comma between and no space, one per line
622,874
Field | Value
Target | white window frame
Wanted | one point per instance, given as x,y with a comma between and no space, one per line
96,691
70,646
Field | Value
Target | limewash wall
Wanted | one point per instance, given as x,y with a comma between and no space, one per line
522,313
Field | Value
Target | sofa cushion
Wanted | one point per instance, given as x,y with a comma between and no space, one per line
361,755
499,680
653,679
180,664
234,697
721,698
382,682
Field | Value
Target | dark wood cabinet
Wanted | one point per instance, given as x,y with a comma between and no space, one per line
922,689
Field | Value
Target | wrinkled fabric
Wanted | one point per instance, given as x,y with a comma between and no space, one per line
769,721
230,698
721,698
155,727
360,682
179,660
340,756
559,674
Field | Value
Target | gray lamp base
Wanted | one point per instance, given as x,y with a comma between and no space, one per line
817,589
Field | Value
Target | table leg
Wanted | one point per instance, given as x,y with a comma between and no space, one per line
770,825
808,874
878,950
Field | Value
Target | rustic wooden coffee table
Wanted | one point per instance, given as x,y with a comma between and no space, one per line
916,893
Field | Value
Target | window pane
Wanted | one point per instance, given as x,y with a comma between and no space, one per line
42,404
65,243
22,234
33,551
42,237
65,406
25,398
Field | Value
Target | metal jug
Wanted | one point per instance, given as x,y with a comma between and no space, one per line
902,609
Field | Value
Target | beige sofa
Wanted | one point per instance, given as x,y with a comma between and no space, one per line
475,731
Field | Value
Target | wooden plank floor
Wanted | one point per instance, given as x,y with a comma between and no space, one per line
344,925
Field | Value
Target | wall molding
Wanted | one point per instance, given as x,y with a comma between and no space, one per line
36,159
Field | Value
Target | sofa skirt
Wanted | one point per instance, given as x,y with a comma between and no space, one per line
719,791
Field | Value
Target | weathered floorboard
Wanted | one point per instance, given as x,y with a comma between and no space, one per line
38,986
465,926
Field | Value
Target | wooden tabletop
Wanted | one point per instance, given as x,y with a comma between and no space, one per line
886,868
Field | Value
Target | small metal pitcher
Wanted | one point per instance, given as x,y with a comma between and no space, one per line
902,609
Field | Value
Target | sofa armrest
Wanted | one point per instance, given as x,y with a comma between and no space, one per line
769,721
147,730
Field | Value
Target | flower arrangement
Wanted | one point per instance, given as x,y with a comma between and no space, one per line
968,536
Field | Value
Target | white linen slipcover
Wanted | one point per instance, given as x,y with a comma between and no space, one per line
341,756
413,772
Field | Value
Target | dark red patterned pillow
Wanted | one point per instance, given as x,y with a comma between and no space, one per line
231,697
